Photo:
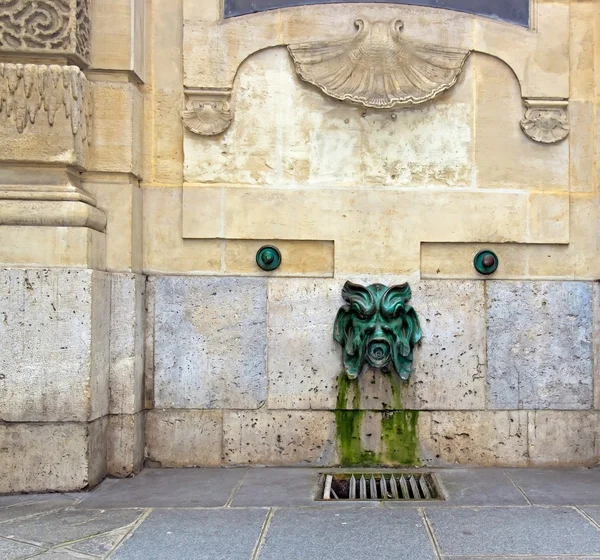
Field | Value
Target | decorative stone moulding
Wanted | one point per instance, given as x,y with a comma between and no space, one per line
207,112
49,27
546,120
31,92
397,56
377,328
378,68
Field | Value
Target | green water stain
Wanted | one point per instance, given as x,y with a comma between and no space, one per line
399,437
398,428
396,388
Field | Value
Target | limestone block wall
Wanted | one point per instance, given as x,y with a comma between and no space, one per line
148,148
246,371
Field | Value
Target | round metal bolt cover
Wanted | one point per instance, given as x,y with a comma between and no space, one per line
485,262
268,257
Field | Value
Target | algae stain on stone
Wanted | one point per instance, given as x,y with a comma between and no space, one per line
399,436
399,441
348,425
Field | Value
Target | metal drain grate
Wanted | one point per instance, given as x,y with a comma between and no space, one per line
384,486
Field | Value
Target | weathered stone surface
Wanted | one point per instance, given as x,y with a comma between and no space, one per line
539,345
125,441
184,438
563,438
285,131
278,437
116,130
39,457
304,361
126,343
209,349
483,438
118,37
120,196
54,339
449,366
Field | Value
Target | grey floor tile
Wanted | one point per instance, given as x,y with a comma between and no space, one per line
593,512
513,531
100,545
167,488
9,513
67,525
63,555
474,487
277,487
521,557
217,534
11,550
579,486
356,534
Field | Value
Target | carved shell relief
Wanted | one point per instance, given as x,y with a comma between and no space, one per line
546,121
207,112
377,67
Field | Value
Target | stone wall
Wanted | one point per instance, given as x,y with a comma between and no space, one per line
148,148
246,371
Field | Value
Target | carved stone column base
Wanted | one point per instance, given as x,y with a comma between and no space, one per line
46,196
546,120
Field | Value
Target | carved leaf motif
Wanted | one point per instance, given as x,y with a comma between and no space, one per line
377,67
207,118
27,89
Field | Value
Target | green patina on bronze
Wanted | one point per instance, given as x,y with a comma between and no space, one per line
377,328
398,429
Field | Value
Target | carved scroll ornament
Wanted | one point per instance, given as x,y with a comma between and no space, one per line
29,92
207,112
377,67
546,120
55,26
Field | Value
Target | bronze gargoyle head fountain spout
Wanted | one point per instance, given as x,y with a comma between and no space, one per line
377,328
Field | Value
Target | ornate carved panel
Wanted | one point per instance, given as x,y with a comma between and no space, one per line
401,55
52,26
31,92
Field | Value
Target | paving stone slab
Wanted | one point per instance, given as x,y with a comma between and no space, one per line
12,550
63,555
167,488
277,487
520,557
228,534
100,545
513,531
593,512
25,510
284,487
359,534
578,486
66,525
474,487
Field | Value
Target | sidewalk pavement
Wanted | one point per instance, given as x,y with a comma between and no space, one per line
270,514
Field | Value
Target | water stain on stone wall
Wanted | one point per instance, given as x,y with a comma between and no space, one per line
398,428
